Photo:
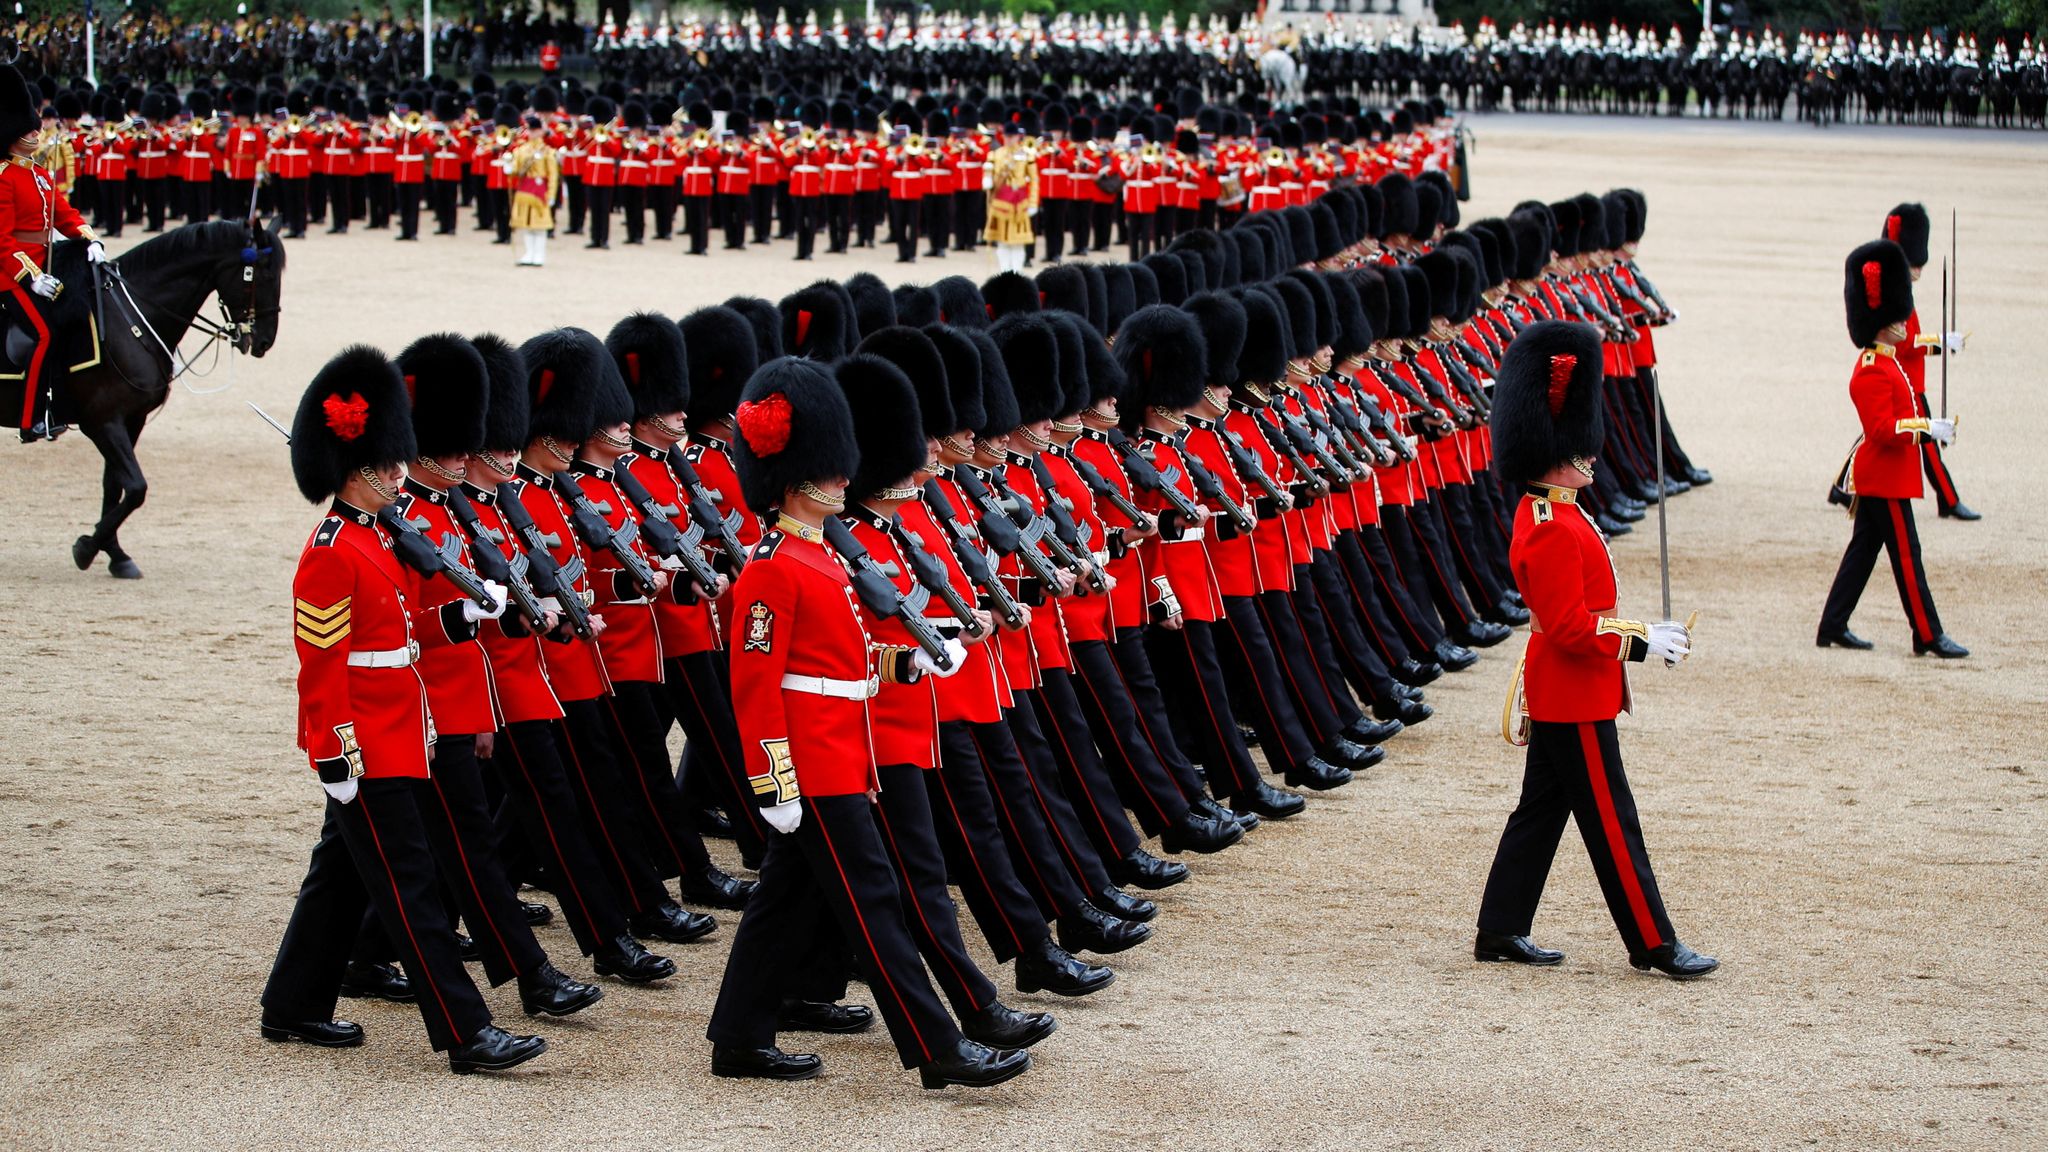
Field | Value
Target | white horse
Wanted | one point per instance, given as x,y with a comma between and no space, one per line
1283,75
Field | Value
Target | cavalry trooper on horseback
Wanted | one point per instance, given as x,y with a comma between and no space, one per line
33,213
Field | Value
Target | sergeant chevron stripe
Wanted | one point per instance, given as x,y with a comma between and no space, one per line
322,627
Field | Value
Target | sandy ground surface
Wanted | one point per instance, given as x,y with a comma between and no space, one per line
1858,836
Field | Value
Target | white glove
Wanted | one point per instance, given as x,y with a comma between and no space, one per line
1670,640
784,817
956,652
1943,430
96,252
45,285
473,612
1953,342
342,792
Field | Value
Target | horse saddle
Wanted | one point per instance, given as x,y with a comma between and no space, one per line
71,319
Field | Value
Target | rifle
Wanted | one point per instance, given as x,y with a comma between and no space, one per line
1377,419
1277,437
685,545
1066,529
979,572
422,556
598,535
1336,454
1248,467
927,571
1207,483
1643,282
1024,537
1065,551
491,564
878,591
1467,383
550,580
703,508
1100,485
1147,475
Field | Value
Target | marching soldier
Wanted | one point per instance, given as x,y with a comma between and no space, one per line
803,652
1883,474
367,734
1907,226
1546,424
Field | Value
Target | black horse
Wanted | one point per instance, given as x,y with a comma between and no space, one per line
142,313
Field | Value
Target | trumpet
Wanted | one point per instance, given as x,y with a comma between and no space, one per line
808,137
700,138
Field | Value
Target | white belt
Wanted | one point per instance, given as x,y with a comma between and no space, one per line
1189,535
824,686
387,657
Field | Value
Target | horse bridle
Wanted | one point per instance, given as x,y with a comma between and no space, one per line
239,332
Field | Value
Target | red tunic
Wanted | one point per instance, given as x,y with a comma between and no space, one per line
516,668
977,693
1573,670
1127,599
1086,613
903,719
1177,556
458,676
630,642
30,202
1888,459
684,628
575,669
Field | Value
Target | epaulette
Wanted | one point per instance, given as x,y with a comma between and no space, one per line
328,530
1541,510
1869,357
770,541
694,453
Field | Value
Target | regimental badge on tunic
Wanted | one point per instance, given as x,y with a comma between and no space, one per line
351,751
760,628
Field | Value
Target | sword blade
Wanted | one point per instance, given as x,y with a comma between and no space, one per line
281,429
1663,494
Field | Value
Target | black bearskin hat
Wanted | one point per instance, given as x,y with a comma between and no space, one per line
1008,292
792,425
814,323
1397,195
1564,227
1064,287
1066,327
567,375
1164,359
1877,286
648,349
1267,343
1222,322
1639,211
998,399
874,308
1300,309
1354,331
888,427
18,114
355,414
1465,298
918,358
1171,274
1396,281
1194,273
1030,349
1418,300
1251,255
1301,234
1531,239
960,303
450,387
1105,376
1429,206
1446,197
1120,296
1442,273
963,378
1371,286
766,322
1546,400
915,305
1592,222
1907,227
1328,237
1144,285
1098,296
1323,307
720,354
507,411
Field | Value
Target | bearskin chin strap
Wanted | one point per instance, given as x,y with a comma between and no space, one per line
377,483
1170,416
606,436
1033,438
428,464
1096,412
553,448
668,429
957,447
491,462
1583,466
905,493
834,503
1074,429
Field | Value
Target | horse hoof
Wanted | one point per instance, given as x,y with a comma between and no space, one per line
83,552
124,570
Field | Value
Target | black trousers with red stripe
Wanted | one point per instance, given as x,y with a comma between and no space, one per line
970,830
1134,664
1471,549
1368,599
1415,544
607,795
835,857
1191,675
373,853
640,735
1409,608
903,812
1331,624
1883,524
1046,853
1575,770
1128,745
1931,462
1270,692
701,700
464,841
551,827
1071,741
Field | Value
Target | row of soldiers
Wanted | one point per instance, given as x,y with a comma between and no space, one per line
1106,174
991,587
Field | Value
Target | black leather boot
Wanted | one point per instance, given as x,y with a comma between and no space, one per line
1051,968
1000,1026
547,991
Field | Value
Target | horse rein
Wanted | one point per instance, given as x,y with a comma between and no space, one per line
227,329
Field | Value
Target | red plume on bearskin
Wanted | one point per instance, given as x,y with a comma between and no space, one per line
1877,290
1908,227
794,426
1546,400
815,322
354,414
567,372
451,389
648,349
